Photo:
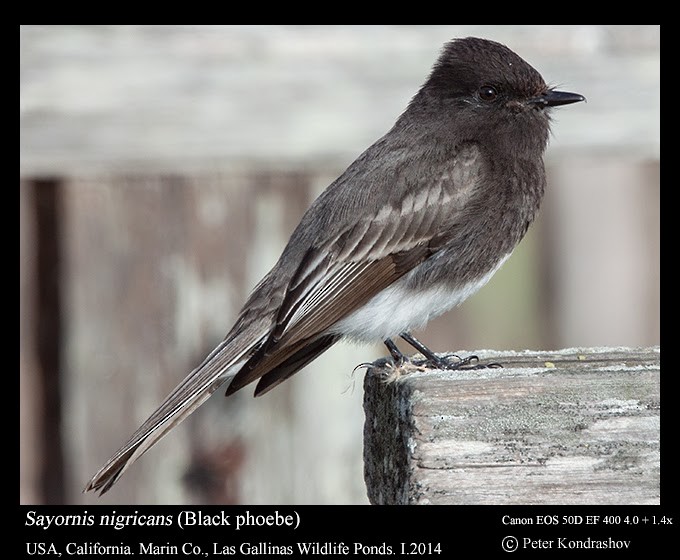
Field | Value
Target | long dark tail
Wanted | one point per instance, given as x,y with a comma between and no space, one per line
221,365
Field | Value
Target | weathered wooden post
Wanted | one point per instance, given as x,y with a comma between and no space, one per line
576,426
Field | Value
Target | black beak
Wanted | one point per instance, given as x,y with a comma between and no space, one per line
553,98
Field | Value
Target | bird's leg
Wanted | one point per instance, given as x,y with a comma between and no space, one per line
431,358
396,354
442,363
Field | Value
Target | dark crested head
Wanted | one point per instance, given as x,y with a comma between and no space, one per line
480,72
466,66
487,88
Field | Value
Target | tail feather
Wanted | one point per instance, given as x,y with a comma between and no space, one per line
220,365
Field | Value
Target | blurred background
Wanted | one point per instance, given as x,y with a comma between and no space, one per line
163,169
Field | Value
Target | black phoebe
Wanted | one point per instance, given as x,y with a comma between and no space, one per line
419,222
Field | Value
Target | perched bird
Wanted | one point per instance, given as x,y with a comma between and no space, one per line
419,222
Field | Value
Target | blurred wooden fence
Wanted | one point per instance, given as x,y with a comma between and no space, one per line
147,274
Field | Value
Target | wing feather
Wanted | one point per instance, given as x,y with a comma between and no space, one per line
339,276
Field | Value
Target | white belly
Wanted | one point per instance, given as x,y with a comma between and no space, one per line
399,308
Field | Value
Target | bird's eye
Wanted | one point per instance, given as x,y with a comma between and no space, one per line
487,93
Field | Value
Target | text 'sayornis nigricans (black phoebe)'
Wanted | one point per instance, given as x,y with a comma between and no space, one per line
419,222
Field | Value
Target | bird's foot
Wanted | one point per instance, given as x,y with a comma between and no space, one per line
432,360
458,364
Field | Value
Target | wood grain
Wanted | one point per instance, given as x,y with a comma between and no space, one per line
578,426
